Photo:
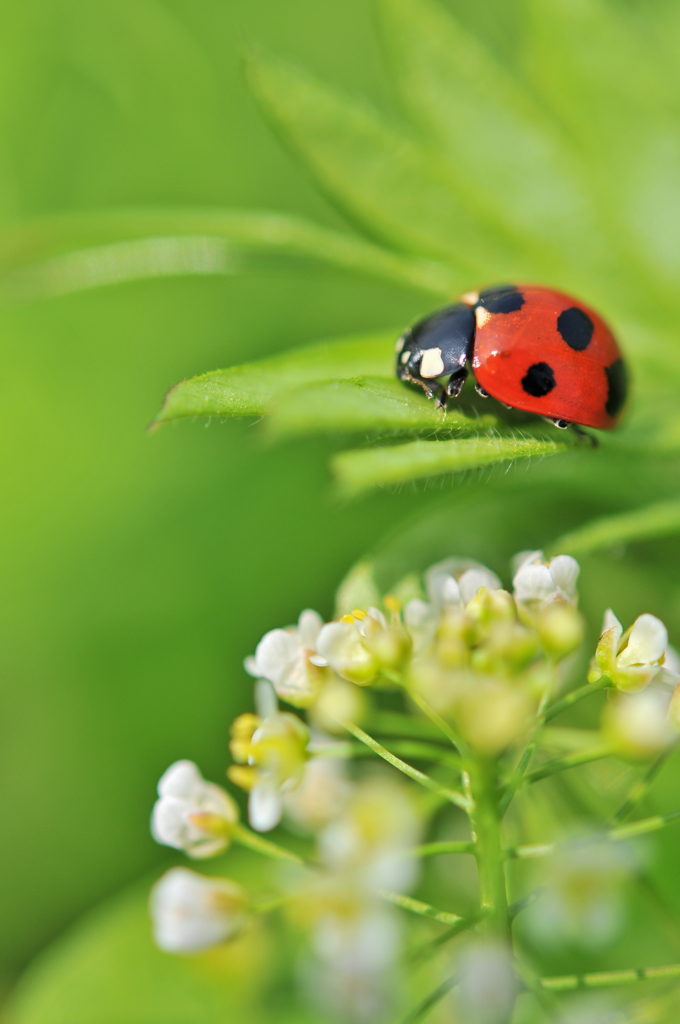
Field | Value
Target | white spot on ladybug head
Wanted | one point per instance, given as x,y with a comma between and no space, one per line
405,356
482,316
432,364
470,298
399,344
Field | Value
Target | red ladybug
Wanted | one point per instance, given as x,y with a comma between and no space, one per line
531,348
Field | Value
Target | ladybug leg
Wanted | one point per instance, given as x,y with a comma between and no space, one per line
580,432
456,381
430,387
481,392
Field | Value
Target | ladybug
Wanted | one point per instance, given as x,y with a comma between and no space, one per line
532,348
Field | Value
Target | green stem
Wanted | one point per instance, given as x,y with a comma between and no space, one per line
433,849
489,853
422,1009
464,924
560,764
449,794
526,901
437,719
573,698
523,764
641,787
411,748
516,777
612,835
245,837
422,909
608,979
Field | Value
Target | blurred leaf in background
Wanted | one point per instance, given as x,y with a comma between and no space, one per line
522,140
138,569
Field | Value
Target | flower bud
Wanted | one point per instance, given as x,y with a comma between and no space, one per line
276,756
638,724
455,581
339,701
560,628
191,814
632,660
191,912
493,713
341,644
538,584
389,645
242,730
288,659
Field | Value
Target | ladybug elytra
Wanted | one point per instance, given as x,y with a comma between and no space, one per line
531,348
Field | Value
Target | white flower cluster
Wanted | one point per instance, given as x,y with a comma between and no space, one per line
483,659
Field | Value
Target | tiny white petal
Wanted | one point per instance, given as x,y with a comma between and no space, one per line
525,558
275,652
340,643
265,807
450,591
191,912
317,659
376,614
309,627
611,622
250,665
442,587
266,703
564,570
473,579
181,779
672,662
647,642
534,583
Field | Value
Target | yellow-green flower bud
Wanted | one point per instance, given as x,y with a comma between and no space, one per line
630,660
560,628
493,714
638,725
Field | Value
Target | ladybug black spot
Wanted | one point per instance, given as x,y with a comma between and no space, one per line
503,298
539,380
576,328
617,379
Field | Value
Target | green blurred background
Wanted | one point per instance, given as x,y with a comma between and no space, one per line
140,569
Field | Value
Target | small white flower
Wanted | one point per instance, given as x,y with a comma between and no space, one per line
456,581
638,723
270,756
420,620
191,814
370,837
488,986
640,661
288,658
342,645
350,974
191,912
322,794
537,583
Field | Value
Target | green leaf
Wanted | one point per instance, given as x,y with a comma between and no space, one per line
357,590
501,147
659,520
366,404
359,471
107,970
70,252
379,176
251,389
